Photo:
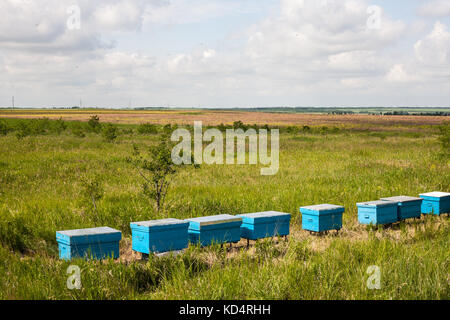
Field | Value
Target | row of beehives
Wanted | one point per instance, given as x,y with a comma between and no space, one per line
165,235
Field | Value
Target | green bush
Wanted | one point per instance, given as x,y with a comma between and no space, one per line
147,128
4,128
59,126
94,124
109,132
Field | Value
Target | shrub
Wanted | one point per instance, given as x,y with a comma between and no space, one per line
23,130
4,128
59,126
239,125
147,128
109,132
94,124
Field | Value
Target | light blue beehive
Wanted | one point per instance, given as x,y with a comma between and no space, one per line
322,217
98,243
377,212
159,235
262,225
219,229
435,202
408,207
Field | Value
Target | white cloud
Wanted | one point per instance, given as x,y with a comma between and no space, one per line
434,49
399,74
435,9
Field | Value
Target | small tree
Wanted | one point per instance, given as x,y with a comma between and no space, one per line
92,190
156,170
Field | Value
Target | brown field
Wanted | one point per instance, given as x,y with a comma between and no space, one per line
213,117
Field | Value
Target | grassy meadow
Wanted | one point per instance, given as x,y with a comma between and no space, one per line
44,166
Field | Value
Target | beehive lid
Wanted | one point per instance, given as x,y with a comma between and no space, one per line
377,203
161,222
436,194
90,235
401,199
88,232
266,214
322,207
211,220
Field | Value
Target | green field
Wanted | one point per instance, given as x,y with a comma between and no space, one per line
43,166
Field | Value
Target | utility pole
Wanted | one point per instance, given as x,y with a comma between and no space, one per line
13,102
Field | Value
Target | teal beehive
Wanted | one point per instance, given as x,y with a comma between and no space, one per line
218,229
159,236
322,217
377,212
97,243
262,225
408,207
435,202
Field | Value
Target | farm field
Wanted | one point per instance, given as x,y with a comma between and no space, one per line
216,117
340,159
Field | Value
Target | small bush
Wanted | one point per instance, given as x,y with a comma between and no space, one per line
109,132
4,128
94,124
23,130
59,126
147,128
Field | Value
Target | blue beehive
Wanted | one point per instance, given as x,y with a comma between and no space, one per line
435,202
221,229
408,207
159,235
98,243
322,217
264,224
377,212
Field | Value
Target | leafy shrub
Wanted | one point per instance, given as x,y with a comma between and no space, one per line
109,132
59,126
4,128
23,130
147,128
94,124
239,125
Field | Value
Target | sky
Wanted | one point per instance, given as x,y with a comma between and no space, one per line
225,53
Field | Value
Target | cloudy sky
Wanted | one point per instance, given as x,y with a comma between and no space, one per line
225,53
